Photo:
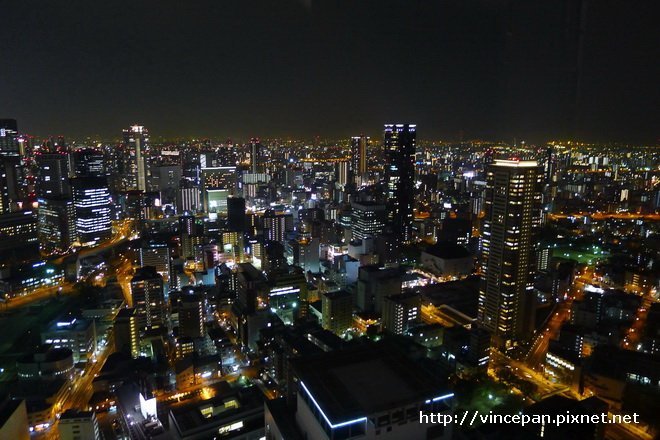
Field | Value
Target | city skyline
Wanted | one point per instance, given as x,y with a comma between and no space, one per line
329,220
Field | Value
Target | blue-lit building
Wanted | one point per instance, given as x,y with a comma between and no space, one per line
24,278
76,334
93,206
339,396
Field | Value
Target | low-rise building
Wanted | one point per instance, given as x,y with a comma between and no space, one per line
79,425
79,335
46,363
447,260
339,396
235,415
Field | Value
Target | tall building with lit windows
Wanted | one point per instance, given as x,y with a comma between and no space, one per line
342,173
337,311
9,137
401,312
256,159
92,204
149,298
367,219
508,262
136,144
191,315
359,158
10,176
57,225
53,175
126,332
276,225
157,253
88,162
400,144
218,184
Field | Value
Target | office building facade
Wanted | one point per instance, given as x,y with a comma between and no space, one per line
93,206
400,144
508,264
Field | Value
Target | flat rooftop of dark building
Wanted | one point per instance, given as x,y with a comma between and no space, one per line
447,250
456,316
7,408
189,418
284,416
145,273
33,391
612,361
251,272
327,338
337,294
69,325
367,203
126,312
75,414
561,405
47,354
385,270
365,380
461,295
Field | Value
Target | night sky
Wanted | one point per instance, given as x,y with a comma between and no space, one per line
459,69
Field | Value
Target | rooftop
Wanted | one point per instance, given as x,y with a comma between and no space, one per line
447,250
246,405
69,324
344,386
7,408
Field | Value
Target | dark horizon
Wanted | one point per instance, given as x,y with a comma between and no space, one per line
575,69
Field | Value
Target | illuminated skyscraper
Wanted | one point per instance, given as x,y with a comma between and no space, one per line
18,234
218,183
337,311
359,158
400,142
508,264
367,219
53,176
191,315
156,253
342,173
57,224
92,203
149,298
9,184
277,225
8,137
256,159
89,162
126,332
136,141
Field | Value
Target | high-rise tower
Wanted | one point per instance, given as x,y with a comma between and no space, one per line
136,141
8,137
149,298
400,141
256,165
53,176
93,206
88,162
513,207
359,158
